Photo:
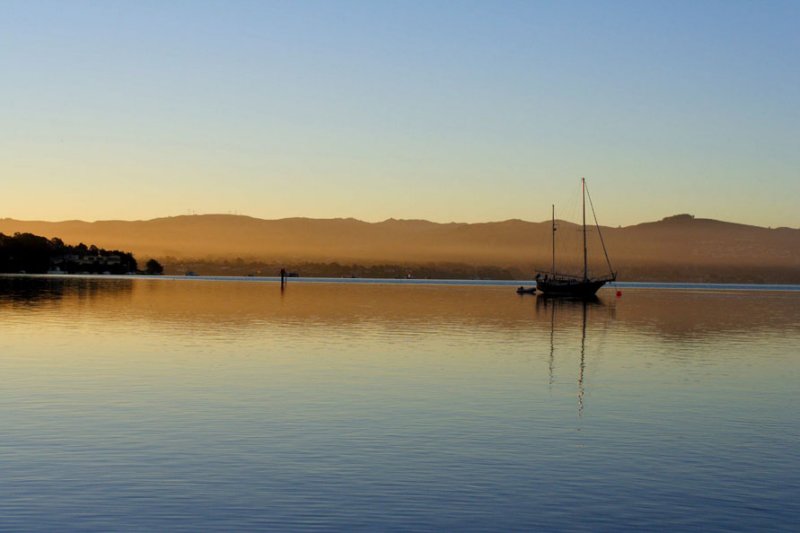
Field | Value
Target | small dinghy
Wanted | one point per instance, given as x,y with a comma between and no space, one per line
523,290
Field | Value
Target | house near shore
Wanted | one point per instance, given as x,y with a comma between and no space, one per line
88,259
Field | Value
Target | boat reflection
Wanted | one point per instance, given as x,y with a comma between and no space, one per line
571,307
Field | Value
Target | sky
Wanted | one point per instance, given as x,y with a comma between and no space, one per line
447,111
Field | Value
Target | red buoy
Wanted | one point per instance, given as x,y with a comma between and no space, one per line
619,293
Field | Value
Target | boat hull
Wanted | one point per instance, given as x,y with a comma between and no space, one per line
569,288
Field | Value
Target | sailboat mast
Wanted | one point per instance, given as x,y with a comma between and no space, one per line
583,198
553,267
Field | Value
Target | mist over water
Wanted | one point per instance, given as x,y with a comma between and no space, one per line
141,404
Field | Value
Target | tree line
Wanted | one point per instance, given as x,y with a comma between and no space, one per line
248,267
34,254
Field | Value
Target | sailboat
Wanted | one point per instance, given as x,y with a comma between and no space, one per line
569,286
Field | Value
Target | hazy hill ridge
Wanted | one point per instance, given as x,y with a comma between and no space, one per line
679,247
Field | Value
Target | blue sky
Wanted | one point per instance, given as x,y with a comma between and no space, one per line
465,111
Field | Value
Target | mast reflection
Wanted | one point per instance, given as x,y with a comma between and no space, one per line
552,343
583,360
570,306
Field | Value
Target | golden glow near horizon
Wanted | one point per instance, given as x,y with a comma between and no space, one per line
434,112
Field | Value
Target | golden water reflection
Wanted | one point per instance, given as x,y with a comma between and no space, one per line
134,397
672,315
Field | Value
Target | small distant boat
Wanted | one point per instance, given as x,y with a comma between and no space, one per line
523,290
569,286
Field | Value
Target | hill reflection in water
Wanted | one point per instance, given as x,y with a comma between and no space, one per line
673,315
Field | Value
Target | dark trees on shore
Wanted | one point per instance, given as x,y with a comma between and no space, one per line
153,267
24,252
33,254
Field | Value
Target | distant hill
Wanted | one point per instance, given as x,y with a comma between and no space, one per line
676,248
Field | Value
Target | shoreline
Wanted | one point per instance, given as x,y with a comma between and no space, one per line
635,285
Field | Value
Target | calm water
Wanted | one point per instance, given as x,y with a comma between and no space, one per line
198,405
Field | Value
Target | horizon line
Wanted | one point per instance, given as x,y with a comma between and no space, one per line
390,219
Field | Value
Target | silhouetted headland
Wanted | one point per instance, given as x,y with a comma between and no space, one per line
33,254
